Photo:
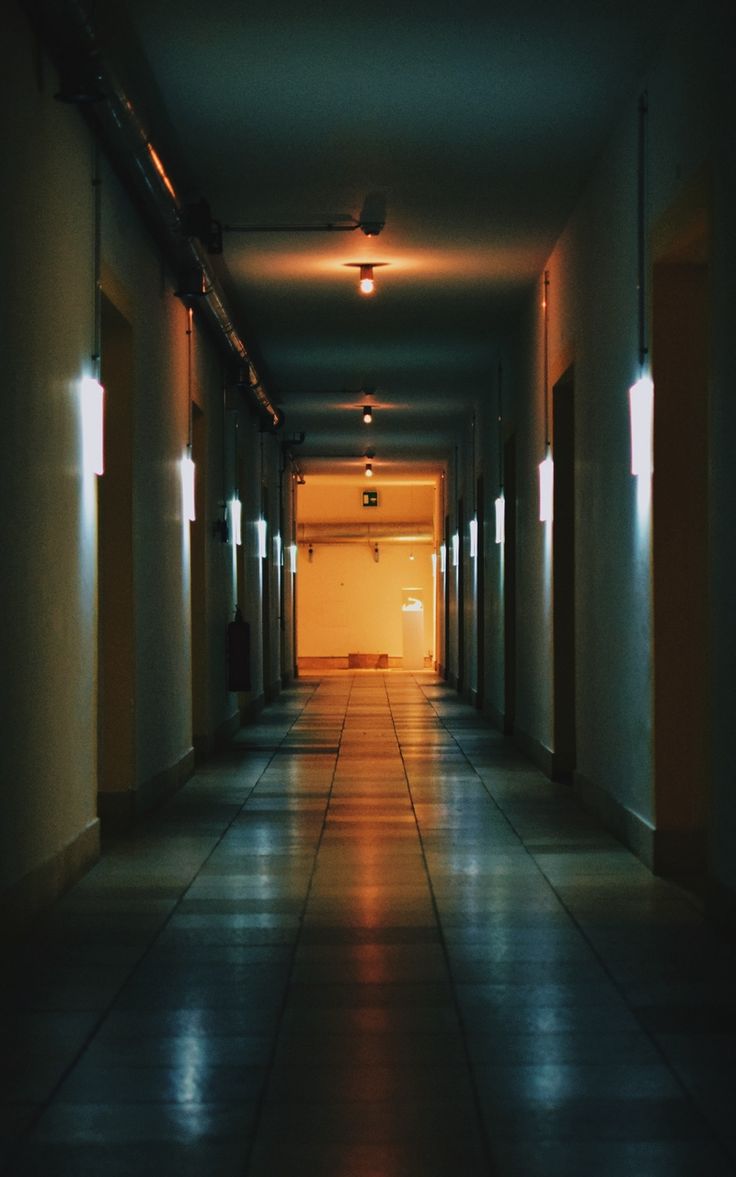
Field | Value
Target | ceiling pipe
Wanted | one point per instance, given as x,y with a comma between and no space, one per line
71,40
353,532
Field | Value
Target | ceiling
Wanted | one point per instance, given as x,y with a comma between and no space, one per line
476,122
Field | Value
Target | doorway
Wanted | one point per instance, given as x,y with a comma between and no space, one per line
116,616
563,577
680,316
509,586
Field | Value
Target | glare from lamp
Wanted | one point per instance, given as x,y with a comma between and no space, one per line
187,486
93,425
641,410
500,507
367,284
546,488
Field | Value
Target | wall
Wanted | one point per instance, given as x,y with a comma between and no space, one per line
593,326
49,801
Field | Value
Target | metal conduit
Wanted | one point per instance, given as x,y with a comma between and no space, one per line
330,533
66,30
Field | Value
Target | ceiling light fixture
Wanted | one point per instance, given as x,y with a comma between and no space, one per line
369,469
366,278
367,414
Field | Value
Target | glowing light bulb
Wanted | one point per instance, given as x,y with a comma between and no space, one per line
369,470
367,285
367,414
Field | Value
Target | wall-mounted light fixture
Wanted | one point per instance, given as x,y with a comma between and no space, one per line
473,532
499,504
187,486
546,466
641,413
262,534
187,462
92,397
443,558
500,508
641,393
236,521
293,551
455,549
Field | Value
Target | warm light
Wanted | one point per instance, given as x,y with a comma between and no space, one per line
455,549
367,414
236,518
641,409
262,530
500,505
93,425
292,555
187,486
369,469
473,528
546,488
156,161
367,285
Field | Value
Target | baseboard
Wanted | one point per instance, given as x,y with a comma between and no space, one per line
630,828
25,900
251,708
118,811
537,752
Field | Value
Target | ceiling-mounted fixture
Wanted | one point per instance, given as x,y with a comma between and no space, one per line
366,279
371,220
369,469
367,414
546,467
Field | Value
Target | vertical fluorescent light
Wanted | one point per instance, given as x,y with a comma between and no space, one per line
546,488
262,529
443,558
93,425
455,549
500,507
236,517
278,550
293,554
187,486
473,527
641,411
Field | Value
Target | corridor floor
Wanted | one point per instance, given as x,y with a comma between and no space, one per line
370,940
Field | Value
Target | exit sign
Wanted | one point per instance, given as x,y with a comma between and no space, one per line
370,498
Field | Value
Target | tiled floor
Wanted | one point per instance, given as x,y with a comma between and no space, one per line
370,941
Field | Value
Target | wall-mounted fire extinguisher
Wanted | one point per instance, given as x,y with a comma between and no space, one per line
238,653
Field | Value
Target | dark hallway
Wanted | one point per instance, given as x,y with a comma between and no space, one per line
370,940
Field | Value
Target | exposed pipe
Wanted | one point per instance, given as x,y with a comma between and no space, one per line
71,40
327,533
